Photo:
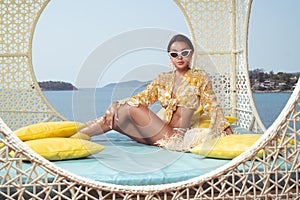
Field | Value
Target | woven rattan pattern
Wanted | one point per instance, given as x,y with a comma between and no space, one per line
22,102
220,28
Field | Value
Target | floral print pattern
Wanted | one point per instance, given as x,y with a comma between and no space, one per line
194,89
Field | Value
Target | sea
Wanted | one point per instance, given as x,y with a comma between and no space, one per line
86,104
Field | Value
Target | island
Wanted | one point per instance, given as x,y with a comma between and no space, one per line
56,85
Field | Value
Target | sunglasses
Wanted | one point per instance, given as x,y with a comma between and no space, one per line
184,53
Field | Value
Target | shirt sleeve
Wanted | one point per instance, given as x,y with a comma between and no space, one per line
208,99
146,97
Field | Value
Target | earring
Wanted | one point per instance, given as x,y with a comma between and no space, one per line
189,65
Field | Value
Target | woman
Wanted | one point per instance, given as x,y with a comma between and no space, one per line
180,92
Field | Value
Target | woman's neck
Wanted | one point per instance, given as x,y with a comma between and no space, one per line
181,72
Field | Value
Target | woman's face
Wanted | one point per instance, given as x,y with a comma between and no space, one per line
184,56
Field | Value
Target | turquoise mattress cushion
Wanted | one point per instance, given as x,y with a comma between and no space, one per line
127,162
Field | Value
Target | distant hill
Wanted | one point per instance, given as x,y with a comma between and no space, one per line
127,84
56,85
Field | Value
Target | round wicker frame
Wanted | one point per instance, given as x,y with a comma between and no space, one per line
220,27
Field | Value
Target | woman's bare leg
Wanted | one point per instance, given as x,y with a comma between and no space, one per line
95,127
139,123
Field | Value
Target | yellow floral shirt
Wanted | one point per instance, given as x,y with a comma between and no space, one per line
194,89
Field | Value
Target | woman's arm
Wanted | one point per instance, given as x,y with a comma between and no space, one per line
210,105
146,97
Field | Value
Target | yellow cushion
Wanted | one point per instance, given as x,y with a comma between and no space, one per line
204,121
80,135
48,130
227,147
201,120
64,148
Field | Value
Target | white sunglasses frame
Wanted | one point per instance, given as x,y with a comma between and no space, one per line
180,53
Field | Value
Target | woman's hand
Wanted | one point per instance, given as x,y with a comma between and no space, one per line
228,130
109,115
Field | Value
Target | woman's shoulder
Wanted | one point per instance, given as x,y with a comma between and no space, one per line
198,73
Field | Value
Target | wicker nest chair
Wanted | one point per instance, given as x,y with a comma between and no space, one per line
220,27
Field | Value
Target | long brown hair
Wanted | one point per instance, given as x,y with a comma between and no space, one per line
180,38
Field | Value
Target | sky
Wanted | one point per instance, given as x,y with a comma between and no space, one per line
73,39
